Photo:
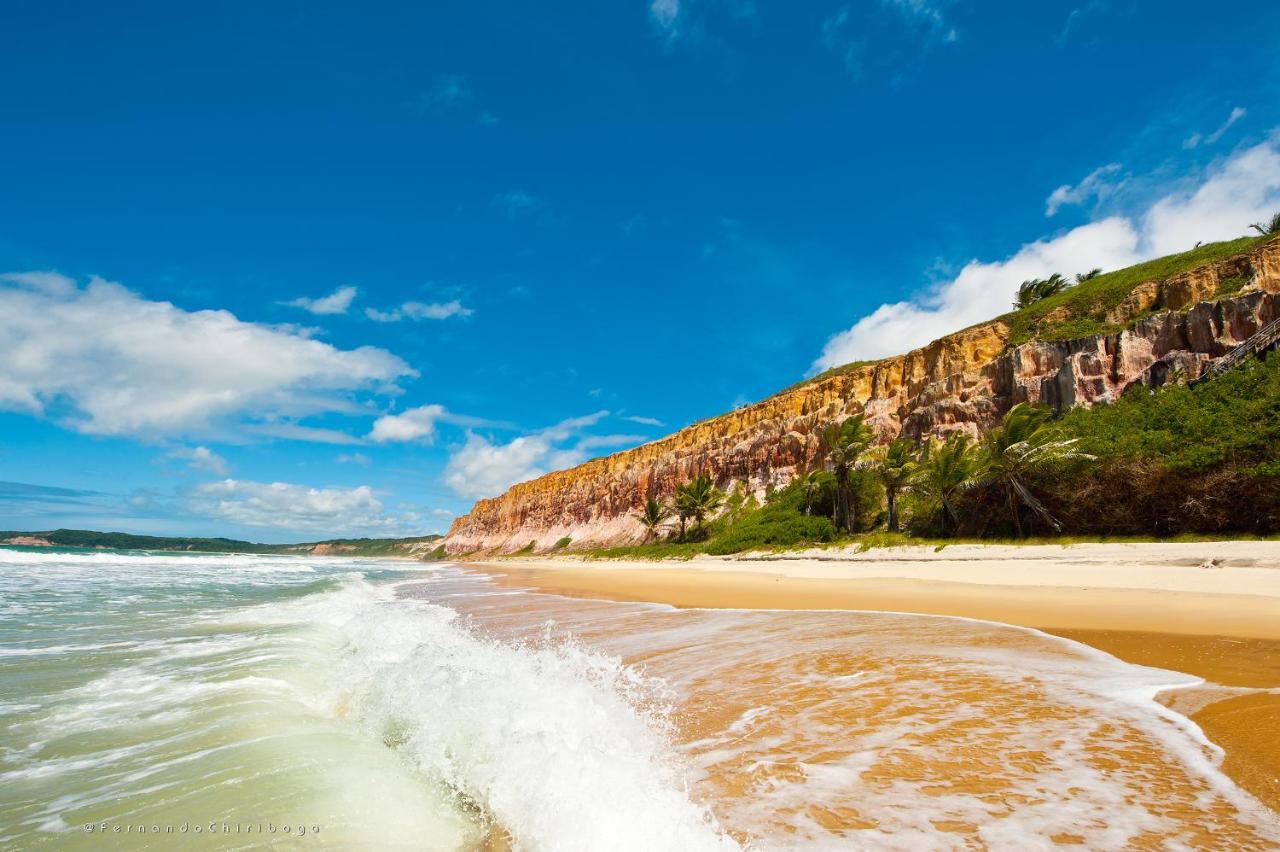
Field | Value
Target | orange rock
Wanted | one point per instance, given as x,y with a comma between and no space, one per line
963,382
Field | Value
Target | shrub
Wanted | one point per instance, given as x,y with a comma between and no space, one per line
773,525
562,543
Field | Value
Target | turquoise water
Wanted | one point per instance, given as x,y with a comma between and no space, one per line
240,701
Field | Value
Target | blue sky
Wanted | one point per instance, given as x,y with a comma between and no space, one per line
281,270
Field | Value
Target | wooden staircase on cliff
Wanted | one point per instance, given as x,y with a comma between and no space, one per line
1265,339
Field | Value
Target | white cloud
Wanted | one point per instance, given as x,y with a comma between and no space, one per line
297,432
596,442
336,302
49,283
283,505
1243,189
482,468
419,424
836,39
516,204
353,458
1195,139
412,425
420,311
666,15
646,421
447,92
1098,184
202,458
1230,195
926,14
103,360
1073,20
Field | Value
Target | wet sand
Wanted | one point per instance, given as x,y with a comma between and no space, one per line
1207,609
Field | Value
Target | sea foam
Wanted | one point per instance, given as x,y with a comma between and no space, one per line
562,747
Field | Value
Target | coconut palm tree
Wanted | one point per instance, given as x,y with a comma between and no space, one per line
696,499
896,469
651,516
1016,449
1082,277
843,443
811,485
945,469
1269,227
1035,289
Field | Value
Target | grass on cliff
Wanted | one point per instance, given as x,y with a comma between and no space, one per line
1087,304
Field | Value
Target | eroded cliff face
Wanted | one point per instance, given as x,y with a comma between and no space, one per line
962,382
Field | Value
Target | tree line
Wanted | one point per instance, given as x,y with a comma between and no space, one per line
851,477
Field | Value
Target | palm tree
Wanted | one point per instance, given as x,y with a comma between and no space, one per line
843,443
1082,277
945,469
651,516
811,484
896,470
1017,448
682,511
1269,227
1035,289
696,499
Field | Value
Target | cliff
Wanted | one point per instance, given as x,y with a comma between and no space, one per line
1156,331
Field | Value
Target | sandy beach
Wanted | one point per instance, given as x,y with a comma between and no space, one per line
1210,609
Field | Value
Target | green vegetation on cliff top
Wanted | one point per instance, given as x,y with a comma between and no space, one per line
1086,304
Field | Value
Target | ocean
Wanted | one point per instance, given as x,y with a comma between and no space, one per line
235,702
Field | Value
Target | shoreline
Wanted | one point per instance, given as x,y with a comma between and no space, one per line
1209,609
1185,588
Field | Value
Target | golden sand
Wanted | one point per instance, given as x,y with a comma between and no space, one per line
1158,615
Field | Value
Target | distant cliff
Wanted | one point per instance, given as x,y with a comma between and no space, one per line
1149,332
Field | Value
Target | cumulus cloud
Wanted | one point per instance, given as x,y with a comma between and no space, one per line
284,505
1230,195
482,468
420,311
1098,184
412,425
103,360
419,424
336,302
1194,140
202,458
1244,189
